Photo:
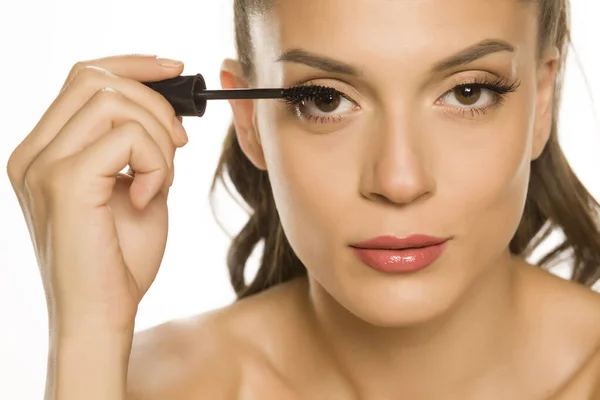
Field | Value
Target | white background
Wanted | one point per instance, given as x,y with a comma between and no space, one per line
40,40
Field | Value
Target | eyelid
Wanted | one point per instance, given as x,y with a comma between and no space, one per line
345,88
468,77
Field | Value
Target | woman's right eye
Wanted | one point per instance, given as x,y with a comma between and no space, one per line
323,109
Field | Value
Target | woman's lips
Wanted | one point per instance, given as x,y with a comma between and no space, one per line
400,254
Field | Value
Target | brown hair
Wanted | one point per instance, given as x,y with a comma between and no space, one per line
556,198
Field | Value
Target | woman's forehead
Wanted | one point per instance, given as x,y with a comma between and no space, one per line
395,20
385,31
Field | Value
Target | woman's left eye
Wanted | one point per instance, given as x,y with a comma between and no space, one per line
470,96
477,98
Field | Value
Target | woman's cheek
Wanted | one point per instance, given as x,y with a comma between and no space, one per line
487,186
310,171
314,178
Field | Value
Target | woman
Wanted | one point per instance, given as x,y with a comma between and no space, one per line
396,218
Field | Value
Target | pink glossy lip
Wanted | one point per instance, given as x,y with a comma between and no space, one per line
400,254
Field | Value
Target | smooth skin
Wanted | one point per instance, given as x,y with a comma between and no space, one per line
480,324
91,226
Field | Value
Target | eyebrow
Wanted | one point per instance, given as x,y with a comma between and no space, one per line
326,64
465,56
472,53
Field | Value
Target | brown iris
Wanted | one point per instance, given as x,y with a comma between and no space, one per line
327,103
467,95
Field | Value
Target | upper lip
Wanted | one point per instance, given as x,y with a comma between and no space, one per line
398,243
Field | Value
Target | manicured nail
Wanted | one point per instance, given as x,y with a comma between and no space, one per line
168,63
180,130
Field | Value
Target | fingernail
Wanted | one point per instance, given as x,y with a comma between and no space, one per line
180,130
167,62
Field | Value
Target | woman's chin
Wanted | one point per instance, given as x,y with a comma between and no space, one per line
395,301
400,309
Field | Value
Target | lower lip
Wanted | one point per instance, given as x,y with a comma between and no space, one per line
397,261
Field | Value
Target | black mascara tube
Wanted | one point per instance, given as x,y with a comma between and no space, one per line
180,92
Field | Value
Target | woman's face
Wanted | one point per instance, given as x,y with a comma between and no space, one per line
404,151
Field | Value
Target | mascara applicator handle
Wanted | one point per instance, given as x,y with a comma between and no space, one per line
179,92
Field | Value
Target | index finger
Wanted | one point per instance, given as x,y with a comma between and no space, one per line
143,68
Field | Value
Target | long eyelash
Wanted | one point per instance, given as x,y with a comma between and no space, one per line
306,92
310,92
499,85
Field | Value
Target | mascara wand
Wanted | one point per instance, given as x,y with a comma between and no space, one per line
188,94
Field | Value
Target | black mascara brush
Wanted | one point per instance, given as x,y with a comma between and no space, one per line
188,94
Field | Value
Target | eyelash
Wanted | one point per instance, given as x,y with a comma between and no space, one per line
499,87
293,106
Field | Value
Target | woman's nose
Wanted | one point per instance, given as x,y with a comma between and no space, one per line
398,168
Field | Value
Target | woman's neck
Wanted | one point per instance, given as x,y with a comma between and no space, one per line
463,346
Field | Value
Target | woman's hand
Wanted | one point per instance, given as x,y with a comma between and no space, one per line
99,235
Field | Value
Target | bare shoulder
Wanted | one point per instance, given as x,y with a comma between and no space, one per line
569,314
594,375
585,384
214,355
564,301
174,359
